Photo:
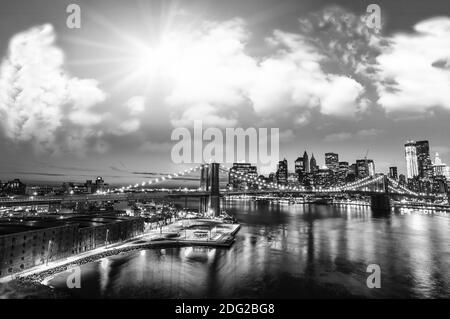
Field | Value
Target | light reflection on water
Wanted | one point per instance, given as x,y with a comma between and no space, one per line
292,251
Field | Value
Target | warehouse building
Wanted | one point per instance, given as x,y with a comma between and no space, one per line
29,242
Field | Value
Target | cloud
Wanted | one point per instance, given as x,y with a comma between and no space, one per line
337,137
363,134
41,103
360,135
136,105
414,73
214,78
36,94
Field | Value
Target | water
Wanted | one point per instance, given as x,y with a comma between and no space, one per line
292,251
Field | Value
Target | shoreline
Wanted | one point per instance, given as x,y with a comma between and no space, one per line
44,276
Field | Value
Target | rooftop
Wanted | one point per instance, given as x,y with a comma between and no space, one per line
17,225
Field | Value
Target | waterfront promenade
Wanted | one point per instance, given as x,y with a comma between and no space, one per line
178,234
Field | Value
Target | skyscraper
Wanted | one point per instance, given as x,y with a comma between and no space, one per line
411,159
365,168
424,166
440,168
343,171
306,162
282,172
313,164
393,172
246,169
299,166
332,161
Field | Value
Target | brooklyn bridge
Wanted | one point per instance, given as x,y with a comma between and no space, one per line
380,188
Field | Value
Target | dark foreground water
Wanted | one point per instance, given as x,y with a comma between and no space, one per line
288,252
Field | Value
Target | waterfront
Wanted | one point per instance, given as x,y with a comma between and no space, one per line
281,251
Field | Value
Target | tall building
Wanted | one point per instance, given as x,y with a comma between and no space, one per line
402,179
246,169
393,172
343,171
282,172
332,161
412,169
424,166
299,167
365,168
306,162
313,164
15,187
323,178
440,168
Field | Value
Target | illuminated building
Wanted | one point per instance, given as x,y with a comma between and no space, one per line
412,169
332,161
313,164
424,166
282,172
393,172
245,169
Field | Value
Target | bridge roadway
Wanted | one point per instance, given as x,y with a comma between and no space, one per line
292,192
63,199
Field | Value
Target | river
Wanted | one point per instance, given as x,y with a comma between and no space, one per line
288,251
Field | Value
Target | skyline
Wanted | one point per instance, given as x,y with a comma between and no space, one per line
117,92
184,180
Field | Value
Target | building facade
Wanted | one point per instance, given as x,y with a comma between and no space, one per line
35,241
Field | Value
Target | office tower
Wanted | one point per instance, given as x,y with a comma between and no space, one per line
299,167
424,166
393,172
440,185
365,168
343,171
246,169
272,178
332,161
402,179
306,162
440,168
282,172
411,159
343,166
99,184
370,167
323,178
313,164
253,174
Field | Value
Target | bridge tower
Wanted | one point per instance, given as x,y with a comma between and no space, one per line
204,186
381,203
214,197
209,182
204,180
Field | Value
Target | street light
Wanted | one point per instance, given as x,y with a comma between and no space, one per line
106,238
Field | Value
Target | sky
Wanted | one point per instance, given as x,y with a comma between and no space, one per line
104,99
